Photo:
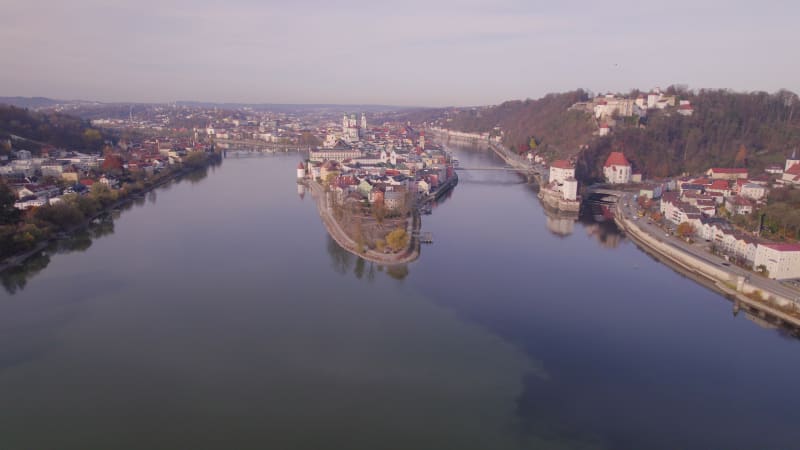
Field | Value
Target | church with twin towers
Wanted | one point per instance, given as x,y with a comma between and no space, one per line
352,130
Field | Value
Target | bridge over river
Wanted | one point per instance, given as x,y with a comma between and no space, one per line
504,168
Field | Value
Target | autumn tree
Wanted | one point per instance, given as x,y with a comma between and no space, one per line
741,157
103,194
378,212
397,239
685,229
195,160
62,215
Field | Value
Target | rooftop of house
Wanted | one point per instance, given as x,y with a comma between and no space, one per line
562,164
784,247
720,185
616,159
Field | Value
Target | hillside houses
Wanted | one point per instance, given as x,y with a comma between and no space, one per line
607,108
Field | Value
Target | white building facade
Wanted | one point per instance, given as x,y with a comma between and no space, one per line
782,261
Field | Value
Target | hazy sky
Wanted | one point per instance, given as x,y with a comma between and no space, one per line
409,52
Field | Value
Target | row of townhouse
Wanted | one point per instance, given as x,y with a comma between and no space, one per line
781,261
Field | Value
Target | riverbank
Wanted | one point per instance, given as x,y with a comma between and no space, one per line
410,254
20,258
554,200
729,284
440,191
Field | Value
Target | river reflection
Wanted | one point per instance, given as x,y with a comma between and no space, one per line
344,262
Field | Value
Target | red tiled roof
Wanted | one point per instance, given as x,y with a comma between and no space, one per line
561,164
794,170
720,185
616,159
741,201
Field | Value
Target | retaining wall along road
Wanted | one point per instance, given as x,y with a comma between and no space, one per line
722,279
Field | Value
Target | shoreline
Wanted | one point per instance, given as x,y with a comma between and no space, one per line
725,283
730,285
336,232
19,259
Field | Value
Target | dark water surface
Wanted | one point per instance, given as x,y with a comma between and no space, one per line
217,313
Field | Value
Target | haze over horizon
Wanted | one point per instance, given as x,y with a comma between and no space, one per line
418,54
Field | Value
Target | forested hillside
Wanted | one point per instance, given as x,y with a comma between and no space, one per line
727,129
51,128
557,131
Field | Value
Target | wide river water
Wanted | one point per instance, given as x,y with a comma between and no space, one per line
217,313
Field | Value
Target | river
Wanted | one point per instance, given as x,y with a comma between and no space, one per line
217,313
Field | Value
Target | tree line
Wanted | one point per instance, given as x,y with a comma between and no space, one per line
53,128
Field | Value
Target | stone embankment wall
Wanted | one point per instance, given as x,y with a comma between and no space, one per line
721,278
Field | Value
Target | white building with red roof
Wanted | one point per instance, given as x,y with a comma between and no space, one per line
793,161
562,180
617,169
560,170
782,261
791,175
685,108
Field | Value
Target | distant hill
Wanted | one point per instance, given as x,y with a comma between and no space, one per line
30,102
31,130
296,108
